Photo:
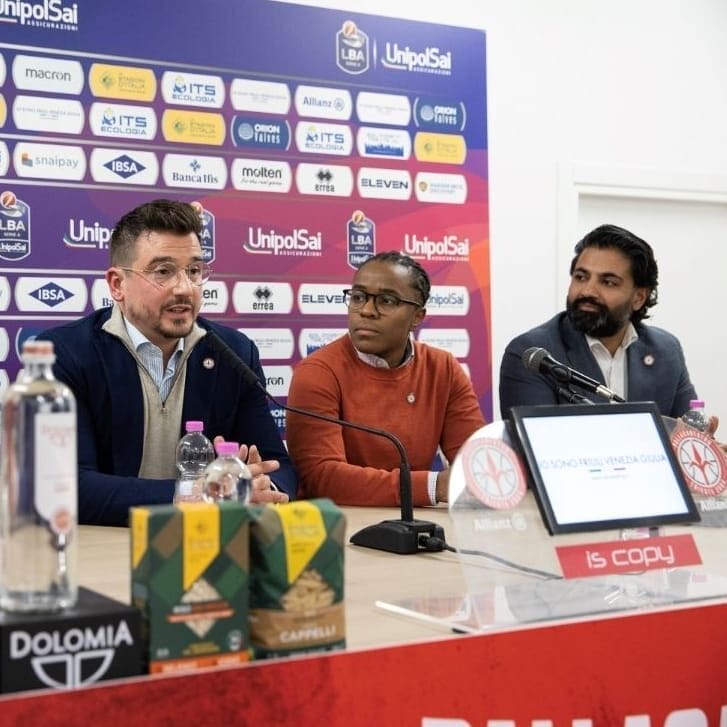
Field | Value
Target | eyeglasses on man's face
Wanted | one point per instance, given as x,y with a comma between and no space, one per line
168,274
383,302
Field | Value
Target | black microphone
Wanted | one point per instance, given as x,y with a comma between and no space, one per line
540,361
403,536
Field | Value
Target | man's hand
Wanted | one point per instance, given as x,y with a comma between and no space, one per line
262,486
443,485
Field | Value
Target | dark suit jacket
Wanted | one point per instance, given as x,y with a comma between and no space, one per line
104,377
656,367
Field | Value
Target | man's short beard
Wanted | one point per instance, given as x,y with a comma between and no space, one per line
598,324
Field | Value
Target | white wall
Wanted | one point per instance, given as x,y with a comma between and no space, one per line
625,84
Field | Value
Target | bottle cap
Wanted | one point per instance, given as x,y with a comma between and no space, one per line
696,404
227,448
194,426
40,351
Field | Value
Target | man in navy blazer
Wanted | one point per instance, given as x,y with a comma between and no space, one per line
143,367
614,279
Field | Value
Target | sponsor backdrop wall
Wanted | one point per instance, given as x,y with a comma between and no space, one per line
313,138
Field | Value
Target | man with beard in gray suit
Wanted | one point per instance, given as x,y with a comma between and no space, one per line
614,279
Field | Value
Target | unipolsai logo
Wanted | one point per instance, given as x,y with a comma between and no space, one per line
71,658
360,239
352,49
14,227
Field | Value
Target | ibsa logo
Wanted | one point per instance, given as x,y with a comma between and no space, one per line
439,114
449,247
46,14
86,235
352,49
262,297
14,227
260,133
321,299
429,60
324,103
79,656
191,89
311,339
273,343
298,242
323,138
122,121
383,108
4,293
51,75
117,166
263,97
448,300
4,156
261,175
193,127
122,82
360,239
68,295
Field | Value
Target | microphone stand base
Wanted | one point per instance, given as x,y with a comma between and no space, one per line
399,536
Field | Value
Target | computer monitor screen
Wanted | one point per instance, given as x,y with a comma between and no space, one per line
602,467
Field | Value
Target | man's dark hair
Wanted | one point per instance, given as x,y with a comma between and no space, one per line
159,215
644,269
418,275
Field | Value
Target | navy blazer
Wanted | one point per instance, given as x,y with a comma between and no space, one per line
656,367
104,377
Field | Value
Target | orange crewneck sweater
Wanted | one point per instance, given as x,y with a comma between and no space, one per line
427,403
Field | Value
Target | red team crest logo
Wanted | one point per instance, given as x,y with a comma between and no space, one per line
493,473
701,461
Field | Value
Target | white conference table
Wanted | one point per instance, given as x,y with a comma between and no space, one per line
370,576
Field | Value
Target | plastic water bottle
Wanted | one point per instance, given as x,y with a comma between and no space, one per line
38,488
228,477
194,453
695,417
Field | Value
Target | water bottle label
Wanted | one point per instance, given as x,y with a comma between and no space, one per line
56,469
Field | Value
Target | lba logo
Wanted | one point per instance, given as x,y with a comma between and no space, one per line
14,227
352,49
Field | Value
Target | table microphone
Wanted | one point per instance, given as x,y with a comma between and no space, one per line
403,536
540,361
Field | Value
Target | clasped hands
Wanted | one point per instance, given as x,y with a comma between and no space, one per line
262,490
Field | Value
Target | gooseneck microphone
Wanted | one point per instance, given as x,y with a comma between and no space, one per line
403,536
540,361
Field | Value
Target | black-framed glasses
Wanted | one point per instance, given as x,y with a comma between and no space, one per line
167,274
383,302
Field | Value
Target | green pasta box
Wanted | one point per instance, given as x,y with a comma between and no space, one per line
190,578
296,591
